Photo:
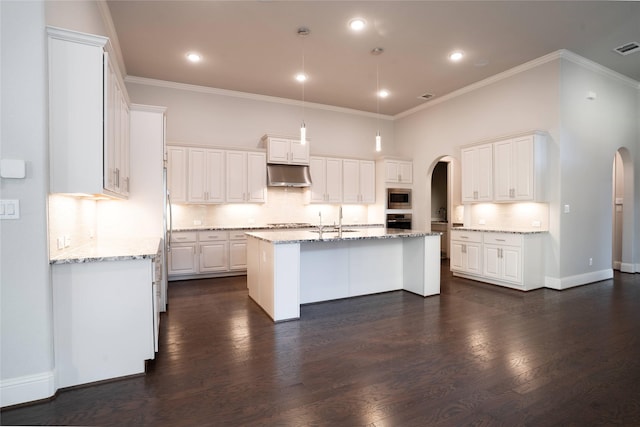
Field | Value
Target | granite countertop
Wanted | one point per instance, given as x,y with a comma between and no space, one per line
305,236
110,250
290,226
501,230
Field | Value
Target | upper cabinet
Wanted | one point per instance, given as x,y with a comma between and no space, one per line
510,170
88,117
326,180
398,171
246,177
477,173
206,176
358,181
286,151
177,167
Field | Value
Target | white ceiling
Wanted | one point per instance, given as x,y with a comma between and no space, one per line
253,46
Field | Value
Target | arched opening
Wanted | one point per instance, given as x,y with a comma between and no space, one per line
446,201
622,221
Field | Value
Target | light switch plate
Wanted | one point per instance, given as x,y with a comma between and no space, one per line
9,209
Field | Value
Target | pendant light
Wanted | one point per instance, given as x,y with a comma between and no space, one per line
377,52
302,77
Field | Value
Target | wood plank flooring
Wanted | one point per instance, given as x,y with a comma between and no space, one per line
476,355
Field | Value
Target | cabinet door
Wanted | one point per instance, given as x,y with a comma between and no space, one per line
485,173
523,171
213,257
456,256
238,255
256,178
182,259
110,128
317,169
512,264
214,172
350,181
177,174
405,172
477,173
392,171
333,175
236,176
503,167
473,258
299,153
197,177
367,182
278,150
125,143
492,261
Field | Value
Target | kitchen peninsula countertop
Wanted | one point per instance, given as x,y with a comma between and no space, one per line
290,226
501,230
110,250
303,236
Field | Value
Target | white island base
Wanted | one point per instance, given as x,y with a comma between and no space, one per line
282,274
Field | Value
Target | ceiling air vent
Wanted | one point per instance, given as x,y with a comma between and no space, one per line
628,48
426,96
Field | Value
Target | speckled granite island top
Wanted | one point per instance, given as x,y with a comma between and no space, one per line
290,226
110,250
304,236
505,230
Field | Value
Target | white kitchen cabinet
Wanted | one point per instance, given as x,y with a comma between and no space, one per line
326,180
103,323
206,183
287,151
358,181
177,169
182,255
213,251
466,251
88,116
477,173
398,171
508,259
518,173
237,250
246,177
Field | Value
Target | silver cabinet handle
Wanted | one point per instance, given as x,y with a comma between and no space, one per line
500,240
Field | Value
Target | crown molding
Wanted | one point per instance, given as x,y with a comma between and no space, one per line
107,20
252,96
558,54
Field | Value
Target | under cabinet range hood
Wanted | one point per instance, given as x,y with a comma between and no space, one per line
288,175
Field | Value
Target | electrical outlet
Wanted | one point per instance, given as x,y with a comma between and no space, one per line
567,208
60,242
590,261
482,222
535,223
67,241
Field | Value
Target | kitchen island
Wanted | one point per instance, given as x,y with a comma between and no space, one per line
289,268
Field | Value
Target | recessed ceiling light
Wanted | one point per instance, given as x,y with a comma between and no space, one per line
383,93
357,24
456,56
194,57
301,77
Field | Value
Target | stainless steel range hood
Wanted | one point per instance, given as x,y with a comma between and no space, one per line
288,175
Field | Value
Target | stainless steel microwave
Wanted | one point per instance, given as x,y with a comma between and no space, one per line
398,198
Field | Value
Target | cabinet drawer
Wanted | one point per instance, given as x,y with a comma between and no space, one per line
237,235
507,239
466,236
184,237
210,236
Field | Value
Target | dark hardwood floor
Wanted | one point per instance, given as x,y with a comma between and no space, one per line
475,355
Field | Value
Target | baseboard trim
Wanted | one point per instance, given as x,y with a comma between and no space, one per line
29,388
628,267
577,280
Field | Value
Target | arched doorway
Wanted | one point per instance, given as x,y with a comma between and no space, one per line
622,253
446,201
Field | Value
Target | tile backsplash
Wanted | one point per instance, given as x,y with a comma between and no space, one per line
72,218
283,205
526,216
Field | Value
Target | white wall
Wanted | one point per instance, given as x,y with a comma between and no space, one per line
196,115
592,132
26,365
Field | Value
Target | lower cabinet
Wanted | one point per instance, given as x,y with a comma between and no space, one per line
103,319
207,254
498,258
